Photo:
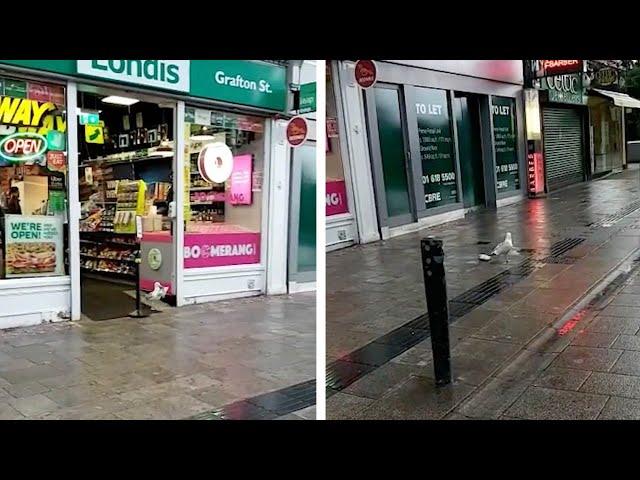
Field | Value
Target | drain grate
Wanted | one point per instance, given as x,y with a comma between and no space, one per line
266,406
619,215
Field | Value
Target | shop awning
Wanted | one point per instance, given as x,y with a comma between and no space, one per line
619,99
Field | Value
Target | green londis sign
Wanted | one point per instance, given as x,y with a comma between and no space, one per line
244,82
308,98
504,140
436,147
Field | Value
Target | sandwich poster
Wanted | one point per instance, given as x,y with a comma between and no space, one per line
33,246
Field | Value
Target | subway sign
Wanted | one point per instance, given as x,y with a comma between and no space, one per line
547,68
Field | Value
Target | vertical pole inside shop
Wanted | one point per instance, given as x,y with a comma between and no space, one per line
138,312
435,288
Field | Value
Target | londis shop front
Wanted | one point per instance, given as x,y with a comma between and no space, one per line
180,163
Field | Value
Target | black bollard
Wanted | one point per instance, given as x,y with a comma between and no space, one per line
138,312
435,289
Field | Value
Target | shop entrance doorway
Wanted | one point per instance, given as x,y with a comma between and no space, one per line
126,157
467,114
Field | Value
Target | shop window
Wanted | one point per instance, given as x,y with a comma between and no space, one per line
33,179
223,170
336,190
126,151
503,111
436,147
305,155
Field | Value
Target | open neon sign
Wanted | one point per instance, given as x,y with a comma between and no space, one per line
23,146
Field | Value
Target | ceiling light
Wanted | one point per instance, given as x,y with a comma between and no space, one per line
116,100
202,138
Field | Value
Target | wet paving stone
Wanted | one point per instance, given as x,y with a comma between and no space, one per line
587,358
417,399
627,342
561,378
612,384
342,406
628,364
594,339
621,409
538,403
383,379
627,326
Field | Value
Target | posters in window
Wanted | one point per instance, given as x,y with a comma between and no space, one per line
33,246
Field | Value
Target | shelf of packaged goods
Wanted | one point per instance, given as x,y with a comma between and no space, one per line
106,161
196,204
86,255
127,278
203,189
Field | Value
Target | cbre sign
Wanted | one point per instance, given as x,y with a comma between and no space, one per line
547,68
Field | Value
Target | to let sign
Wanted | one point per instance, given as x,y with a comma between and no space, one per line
366,73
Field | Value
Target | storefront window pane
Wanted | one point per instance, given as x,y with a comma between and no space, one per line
436,147
224,166
505,141
33,179
336,201
306,156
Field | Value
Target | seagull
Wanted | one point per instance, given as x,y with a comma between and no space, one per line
505,248
158,292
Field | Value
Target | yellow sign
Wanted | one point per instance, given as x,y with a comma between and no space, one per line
93,134
30,116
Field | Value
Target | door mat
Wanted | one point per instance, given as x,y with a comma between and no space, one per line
103,300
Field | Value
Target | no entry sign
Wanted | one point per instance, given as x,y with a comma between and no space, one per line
366,73
297,131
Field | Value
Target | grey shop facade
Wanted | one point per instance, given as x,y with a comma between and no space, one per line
442,138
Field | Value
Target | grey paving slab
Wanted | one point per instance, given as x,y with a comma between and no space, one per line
474,360
628,363
383,379
587,358
607,324
612,384
538,403
561,378
7,412
627,342
34,405
621,409
417,399
594,339
342,406
626,299
158,366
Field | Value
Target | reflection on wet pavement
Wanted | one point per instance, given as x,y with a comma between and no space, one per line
576,237
173,365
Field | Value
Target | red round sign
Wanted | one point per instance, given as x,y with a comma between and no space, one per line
297,131
366,73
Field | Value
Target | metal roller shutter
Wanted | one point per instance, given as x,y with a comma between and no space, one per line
563,147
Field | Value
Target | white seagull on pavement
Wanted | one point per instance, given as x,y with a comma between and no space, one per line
505,248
